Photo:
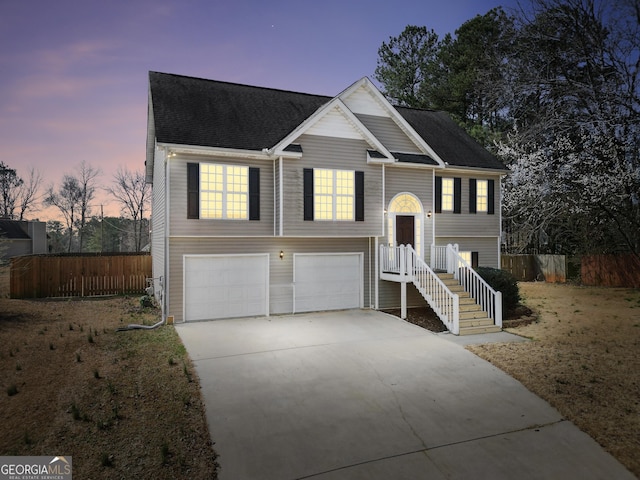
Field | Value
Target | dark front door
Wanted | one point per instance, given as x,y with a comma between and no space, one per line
405,230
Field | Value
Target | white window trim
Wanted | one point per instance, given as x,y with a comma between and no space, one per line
485,208
225,193
452,195
335,196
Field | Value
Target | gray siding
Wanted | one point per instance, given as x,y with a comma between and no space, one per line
391,136
180,225
448,224
419,182
280,271
158,222
338,153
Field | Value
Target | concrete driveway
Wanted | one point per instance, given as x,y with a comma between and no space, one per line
363,395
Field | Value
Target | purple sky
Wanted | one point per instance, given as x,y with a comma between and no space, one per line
73,85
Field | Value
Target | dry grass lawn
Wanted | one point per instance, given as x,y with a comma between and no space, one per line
122,404
584,360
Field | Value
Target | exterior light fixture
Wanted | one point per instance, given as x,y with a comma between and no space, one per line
429,214
281,254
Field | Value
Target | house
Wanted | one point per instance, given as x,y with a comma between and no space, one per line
272,202
22,238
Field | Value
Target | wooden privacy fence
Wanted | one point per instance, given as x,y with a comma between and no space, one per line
611,270
85,275
527,268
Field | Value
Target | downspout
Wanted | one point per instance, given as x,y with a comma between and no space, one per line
275,205
433,207
281,186
167,224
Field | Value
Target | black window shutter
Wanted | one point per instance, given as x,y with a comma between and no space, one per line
472,196
457,195
359,196
438,195
193,190
254,193
474,259
308,193
491,210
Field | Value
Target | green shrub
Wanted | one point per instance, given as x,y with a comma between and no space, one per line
502,281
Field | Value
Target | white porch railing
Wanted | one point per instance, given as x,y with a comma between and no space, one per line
403,261
478,288
439,257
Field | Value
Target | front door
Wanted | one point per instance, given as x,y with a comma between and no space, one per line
405,233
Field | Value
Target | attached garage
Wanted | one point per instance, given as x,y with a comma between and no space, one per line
327,281
225,286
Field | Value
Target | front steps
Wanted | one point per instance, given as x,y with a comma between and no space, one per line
473,319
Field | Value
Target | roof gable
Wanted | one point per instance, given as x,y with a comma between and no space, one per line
356,97
334,120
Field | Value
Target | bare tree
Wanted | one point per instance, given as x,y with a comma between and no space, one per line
15,193
132,191
28,193
67,200
87,183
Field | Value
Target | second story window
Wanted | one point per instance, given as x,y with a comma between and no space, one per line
482,195
447,194
333,194
224,191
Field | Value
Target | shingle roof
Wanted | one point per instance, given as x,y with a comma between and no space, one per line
449,140
414,158
209,113
12,229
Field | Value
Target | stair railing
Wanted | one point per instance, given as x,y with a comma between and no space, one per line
489,300
404,261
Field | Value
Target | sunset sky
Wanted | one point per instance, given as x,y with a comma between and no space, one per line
73,81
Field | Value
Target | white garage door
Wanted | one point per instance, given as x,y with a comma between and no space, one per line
327,281
225,286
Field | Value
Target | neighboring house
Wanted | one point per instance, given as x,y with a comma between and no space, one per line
22,238
272,202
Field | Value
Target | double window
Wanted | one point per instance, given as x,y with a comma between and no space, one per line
224,192
448,195
333,195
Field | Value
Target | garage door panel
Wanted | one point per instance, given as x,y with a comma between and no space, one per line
328,281
219,286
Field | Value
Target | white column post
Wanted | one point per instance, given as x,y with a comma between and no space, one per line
403,300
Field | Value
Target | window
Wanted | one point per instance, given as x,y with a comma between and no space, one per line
230,192
333,195
482,195
447,194
224,191
470,257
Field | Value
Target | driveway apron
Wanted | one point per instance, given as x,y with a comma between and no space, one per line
360,394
